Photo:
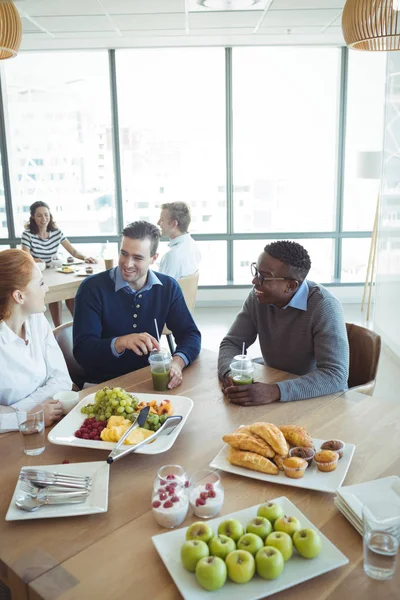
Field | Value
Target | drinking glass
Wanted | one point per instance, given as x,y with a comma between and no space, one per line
160,362
30,419
381,521
169,501
206,493
170,473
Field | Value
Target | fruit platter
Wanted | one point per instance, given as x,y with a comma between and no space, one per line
285,454
249,554
100,420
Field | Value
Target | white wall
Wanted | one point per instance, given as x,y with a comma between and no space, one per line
387,293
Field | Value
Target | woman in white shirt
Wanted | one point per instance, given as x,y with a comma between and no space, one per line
42,239
32,365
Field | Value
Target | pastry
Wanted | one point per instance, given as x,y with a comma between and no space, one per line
297,436
244,441
272,435
251,460
306,453
89,270
326,460
278,460
294,467
335,445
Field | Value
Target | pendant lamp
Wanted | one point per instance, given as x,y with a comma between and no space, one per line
10,30
372,25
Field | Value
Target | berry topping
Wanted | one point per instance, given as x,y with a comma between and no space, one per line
200,502
211,494
163,496
170,476
156,504
209,486
174,499
204,495
167,504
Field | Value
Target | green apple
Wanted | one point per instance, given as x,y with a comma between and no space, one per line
191,552
307,543
221,545
250,542
231,528
211,573
270,511
287,524
241,566
199,531
269,562
260,526
282,542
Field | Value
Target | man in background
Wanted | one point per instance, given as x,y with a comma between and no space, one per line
183,258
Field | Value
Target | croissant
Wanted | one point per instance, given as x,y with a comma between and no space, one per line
244,441
278,460
297,436
251,460
272,435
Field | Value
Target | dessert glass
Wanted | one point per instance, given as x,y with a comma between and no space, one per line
206,493
169,501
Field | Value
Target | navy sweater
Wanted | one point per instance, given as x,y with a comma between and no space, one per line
102,314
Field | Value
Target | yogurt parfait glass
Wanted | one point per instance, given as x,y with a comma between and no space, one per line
206,493
170,474
170,504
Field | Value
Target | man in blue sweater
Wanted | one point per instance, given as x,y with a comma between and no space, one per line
114,328
300,326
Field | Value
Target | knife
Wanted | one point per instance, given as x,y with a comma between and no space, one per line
138,422
169,424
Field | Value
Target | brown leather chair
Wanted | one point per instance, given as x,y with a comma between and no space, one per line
365,349
189,285
63,335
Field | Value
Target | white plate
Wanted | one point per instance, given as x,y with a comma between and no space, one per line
60,270
296,570
97,501
75,262
83,274
340,505
63,432
312,480
354,496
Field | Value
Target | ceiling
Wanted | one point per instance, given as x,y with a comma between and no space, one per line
66,24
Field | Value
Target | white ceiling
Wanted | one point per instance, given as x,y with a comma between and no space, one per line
65,24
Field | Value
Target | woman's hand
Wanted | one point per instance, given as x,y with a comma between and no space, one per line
90,260
52,411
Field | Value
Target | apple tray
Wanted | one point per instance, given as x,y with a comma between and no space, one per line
297,569
313,479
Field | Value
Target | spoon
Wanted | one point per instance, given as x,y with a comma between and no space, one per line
30,504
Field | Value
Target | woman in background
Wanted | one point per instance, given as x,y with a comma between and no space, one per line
41,239
32,366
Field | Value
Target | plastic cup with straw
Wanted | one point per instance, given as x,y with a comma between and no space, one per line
160,362
242,368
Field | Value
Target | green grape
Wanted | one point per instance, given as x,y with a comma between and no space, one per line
146,425
120,409
101,417
129,409
162,418
114,403
108,415
122,402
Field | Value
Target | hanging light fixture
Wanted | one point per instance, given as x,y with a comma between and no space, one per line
372,24
10,30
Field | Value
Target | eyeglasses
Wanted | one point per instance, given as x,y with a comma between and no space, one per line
261,278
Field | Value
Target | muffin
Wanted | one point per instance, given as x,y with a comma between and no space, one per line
294,467
326,460
70,259
335,445
89,270
306,453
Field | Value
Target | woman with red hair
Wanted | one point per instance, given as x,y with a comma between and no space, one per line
32,364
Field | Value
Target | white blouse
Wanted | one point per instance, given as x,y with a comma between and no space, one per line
32,370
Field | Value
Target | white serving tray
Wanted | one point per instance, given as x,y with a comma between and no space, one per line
63,432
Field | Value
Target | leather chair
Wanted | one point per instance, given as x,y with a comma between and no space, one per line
365,349
189,285
63,335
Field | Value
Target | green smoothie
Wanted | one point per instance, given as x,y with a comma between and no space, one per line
160,380
242,379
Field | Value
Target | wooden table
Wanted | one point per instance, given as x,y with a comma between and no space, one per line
112,556
65,285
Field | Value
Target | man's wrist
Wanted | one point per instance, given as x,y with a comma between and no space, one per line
179,361
120,344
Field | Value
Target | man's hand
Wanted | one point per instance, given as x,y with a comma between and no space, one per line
227,382
252,395
52,411
139,343
175,372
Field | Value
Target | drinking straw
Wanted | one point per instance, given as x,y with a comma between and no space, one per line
243,351
157,332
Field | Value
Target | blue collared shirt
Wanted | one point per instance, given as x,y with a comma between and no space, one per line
300,298
121,284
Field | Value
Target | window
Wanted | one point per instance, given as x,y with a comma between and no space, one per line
3,220
284,138
172,119
58,109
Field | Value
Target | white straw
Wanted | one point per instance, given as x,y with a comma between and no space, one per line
244,348
157,332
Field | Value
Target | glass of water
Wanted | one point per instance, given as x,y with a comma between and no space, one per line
381,521
30,417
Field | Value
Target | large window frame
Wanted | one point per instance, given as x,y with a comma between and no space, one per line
337,235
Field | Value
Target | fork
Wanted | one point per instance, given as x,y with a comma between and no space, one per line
40,473
45,479
34,491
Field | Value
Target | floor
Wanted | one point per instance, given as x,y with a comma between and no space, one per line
215,322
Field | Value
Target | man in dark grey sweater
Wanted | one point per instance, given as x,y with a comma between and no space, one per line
301,330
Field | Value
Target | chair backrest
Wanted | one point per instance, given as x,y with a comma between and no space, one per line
365,349
189,285
63,335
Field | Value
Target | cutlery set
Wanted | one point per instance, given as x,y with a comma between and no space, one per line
40,488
